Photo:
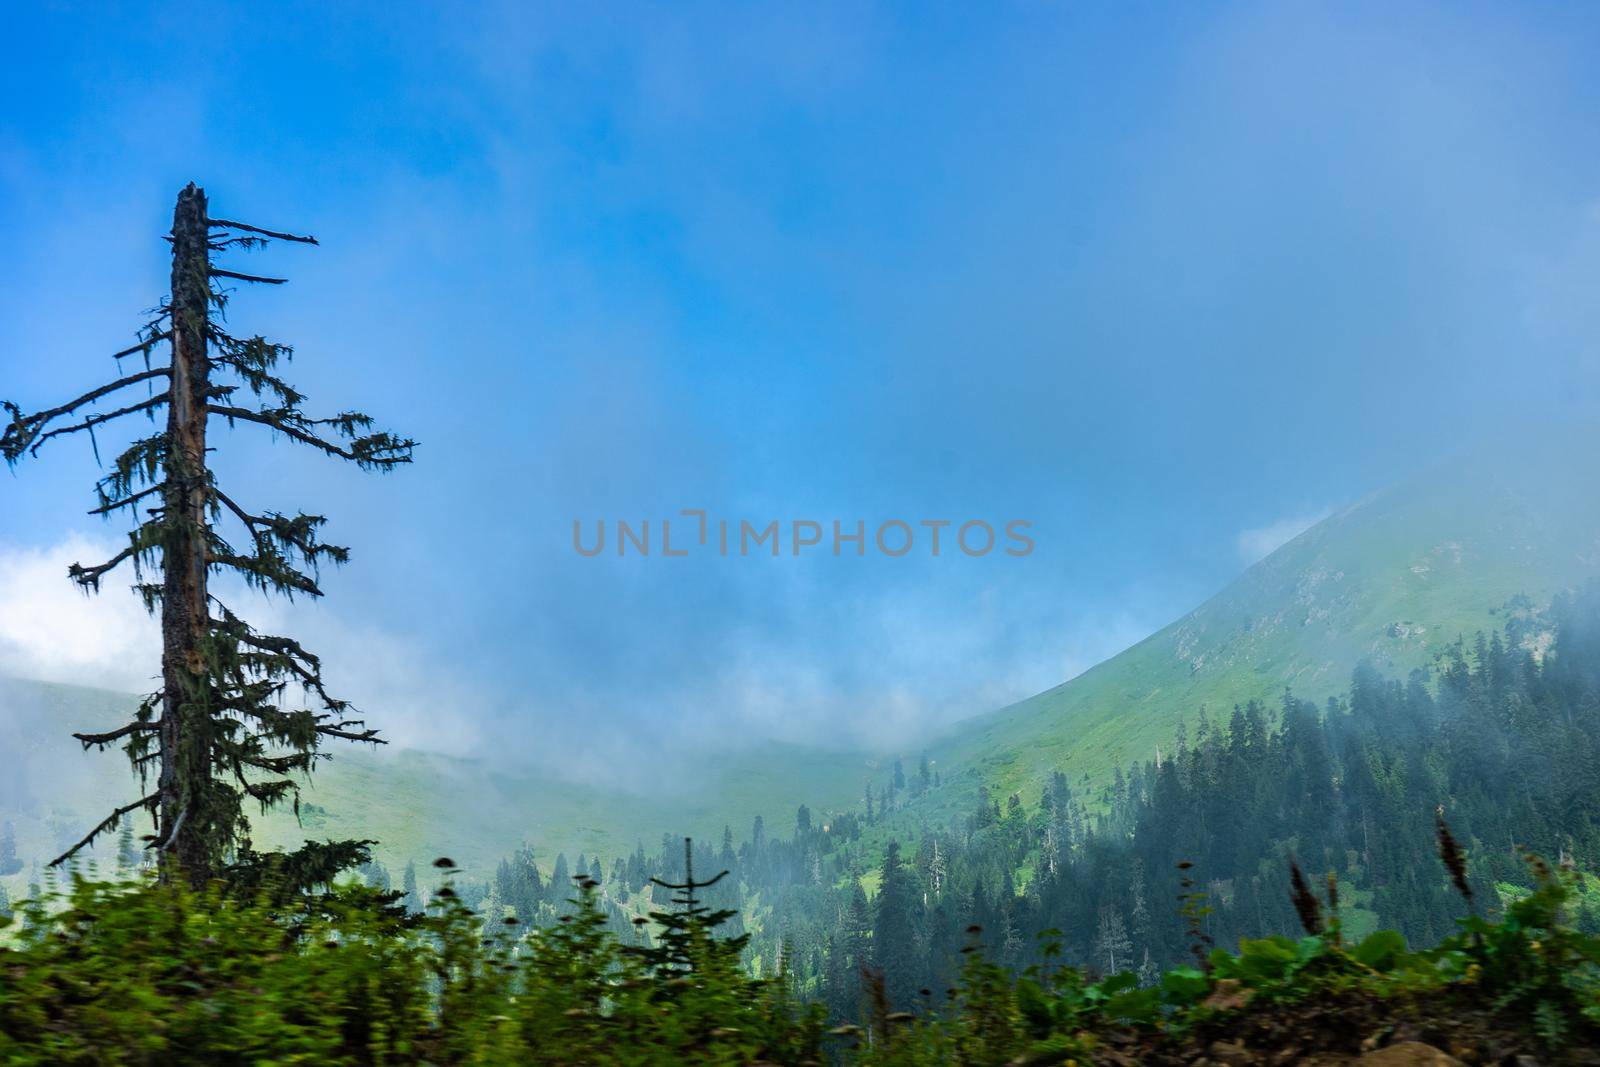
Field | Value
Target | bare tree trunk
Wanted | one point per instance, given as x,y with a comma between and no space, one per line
185,609
213,664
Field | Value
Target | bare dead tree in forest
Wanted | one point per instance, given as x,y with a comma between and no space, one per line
226,724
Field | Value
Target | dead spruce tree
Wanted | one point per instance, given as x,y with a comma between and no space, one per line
227,723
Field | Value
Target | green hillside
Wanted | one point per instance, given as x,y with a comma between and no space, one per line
1393,579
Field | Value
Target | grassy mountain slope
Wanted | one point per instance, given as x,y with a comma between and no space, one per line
1394,579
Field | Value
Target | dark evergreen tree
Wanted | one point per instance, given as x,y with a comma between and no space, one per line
894,941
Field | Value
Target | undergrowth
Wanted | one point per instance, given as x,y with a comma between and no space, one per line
134,972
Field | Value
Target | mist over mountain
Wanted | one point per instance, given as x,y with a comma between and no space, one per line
1392,580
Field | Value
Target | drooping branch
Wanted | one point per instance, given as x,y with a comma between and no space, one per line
254,359
144,539
273,661
273,655
279,721
269,568
141,463
298,532
89,577
372,451
108,823
258,735
25,434
266,569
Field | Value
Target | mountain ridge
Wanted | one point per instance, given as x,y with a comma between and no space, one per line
1393,579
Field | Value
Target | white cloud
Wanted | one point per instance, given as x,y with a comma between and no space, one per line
1260,542
50,631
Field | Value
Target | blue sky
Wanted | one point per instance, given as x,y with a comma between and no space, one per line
1166,280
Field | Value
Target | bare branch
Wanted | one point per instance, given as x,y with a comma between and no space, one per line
121,732
143,346
90,397
224,224
218,272
250,521
368,736
264,419
127,500
89,577
108,823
